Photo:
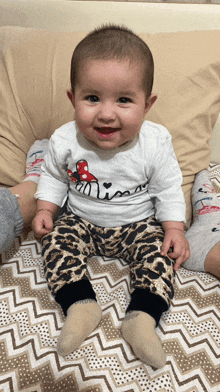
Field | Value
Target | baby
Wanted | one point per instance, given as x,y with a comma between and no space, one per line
120,179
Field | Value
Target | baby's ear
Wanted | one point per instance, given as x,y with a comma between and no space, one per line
150,101
70,95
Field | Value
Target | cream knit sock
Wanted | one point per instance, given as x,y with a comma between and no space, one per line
138,329
82,318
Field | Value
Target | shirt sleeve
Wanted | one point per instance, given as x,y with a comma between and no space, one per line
165,184
53,184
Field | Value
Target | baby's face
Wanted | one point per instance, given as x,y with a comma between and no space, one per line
110,102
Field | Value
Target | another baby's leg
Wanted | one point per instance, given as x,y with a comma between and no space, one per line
11,220
65,253
212,261
204,233
152,281
26,190
24,194
17,204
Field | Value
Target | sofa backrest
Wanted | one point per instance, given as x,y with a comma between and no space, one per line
142,17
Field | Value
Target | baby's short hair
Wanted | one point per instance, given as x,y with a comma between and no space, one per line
114,42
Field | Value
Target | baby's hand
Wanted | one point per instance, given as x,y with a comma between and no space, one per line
42,223
175,238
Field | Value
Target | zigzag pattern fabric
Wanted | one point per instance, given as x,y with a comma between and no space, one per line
31,321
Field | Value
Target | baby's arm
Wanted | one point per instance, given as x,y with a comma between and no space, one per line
43,221
175,238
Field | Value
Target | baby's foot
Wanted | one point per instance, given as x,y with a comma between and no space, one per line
82,318
138,329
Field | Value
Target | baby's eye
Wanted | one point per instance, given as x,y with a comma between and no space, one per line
92,98
124,100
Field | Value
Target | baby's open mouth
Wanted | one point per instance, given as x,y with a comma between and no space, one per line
106,130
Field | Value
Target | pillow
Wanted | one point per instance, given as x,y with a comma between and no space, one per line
35,68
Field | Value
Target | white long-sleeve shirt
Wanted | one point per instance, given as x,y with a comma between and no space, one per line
115,187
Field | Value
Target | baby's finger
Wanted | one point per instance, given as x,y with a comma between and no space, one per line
176,251
165,248
178,263
41,234
48,224
181,259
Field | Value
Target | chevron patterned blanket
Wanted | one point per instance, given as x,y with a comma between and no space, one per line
30,323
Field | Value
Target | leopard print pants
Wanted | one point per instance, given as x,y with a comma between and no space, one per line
66,251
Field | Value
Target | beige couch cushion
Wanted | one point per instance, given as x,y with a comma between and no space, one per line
34,68
187,80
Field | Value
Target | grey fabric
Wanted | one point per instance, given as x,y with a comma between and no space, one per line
205,230
11,220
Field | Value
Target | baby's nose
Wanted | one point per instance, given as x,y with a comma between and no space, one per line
107,112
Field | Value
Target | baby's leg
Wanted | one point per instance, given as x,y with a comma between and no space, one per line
204,234
65,253
17,204
152,280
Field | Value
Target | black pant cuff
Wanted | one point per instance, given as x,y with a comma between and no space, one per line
74,292
148,302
